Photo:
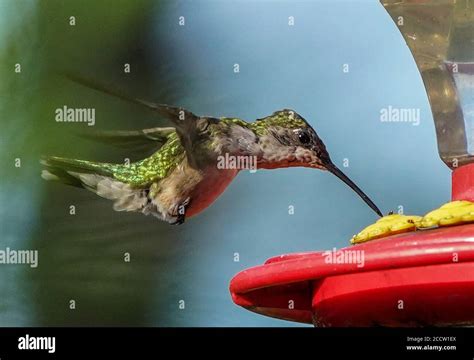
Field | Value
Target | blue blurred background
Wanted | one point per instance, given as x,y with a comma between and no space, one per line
280,66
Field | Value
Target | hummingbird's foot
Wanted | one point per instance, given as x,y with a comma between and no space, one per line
179,212
179,220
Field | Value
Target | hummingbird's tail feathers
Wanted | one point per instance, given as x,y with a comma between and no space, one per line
79,166
97,178
55,174
67,171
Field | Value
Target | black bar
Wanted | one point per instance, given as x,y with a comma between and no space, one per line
242,342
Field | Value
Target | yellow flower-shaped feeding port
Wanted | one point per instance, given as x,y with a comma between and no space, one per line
386,226
452,213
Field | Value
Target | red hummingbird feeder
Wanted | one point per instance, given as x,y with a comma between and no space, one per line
422,278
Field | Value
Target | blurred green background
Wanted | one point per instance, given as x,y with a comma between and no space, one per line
81,256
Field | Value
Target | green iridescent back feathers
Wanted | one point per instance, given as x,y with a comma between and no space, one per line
143,173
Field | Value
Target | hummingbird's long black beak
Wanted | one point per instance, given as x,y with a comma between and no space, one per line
333,169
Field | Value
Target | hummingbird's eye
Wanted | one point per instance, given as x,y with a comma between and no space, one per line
303,137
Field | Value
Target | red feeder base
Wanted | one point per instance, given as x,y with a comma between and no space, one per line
423,278
415,279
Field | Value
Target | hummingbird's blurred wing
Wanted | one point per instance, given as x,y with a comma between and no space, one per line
187,125
136,140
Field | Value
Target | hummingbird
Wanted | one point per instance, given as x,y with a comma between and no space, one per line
181,179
